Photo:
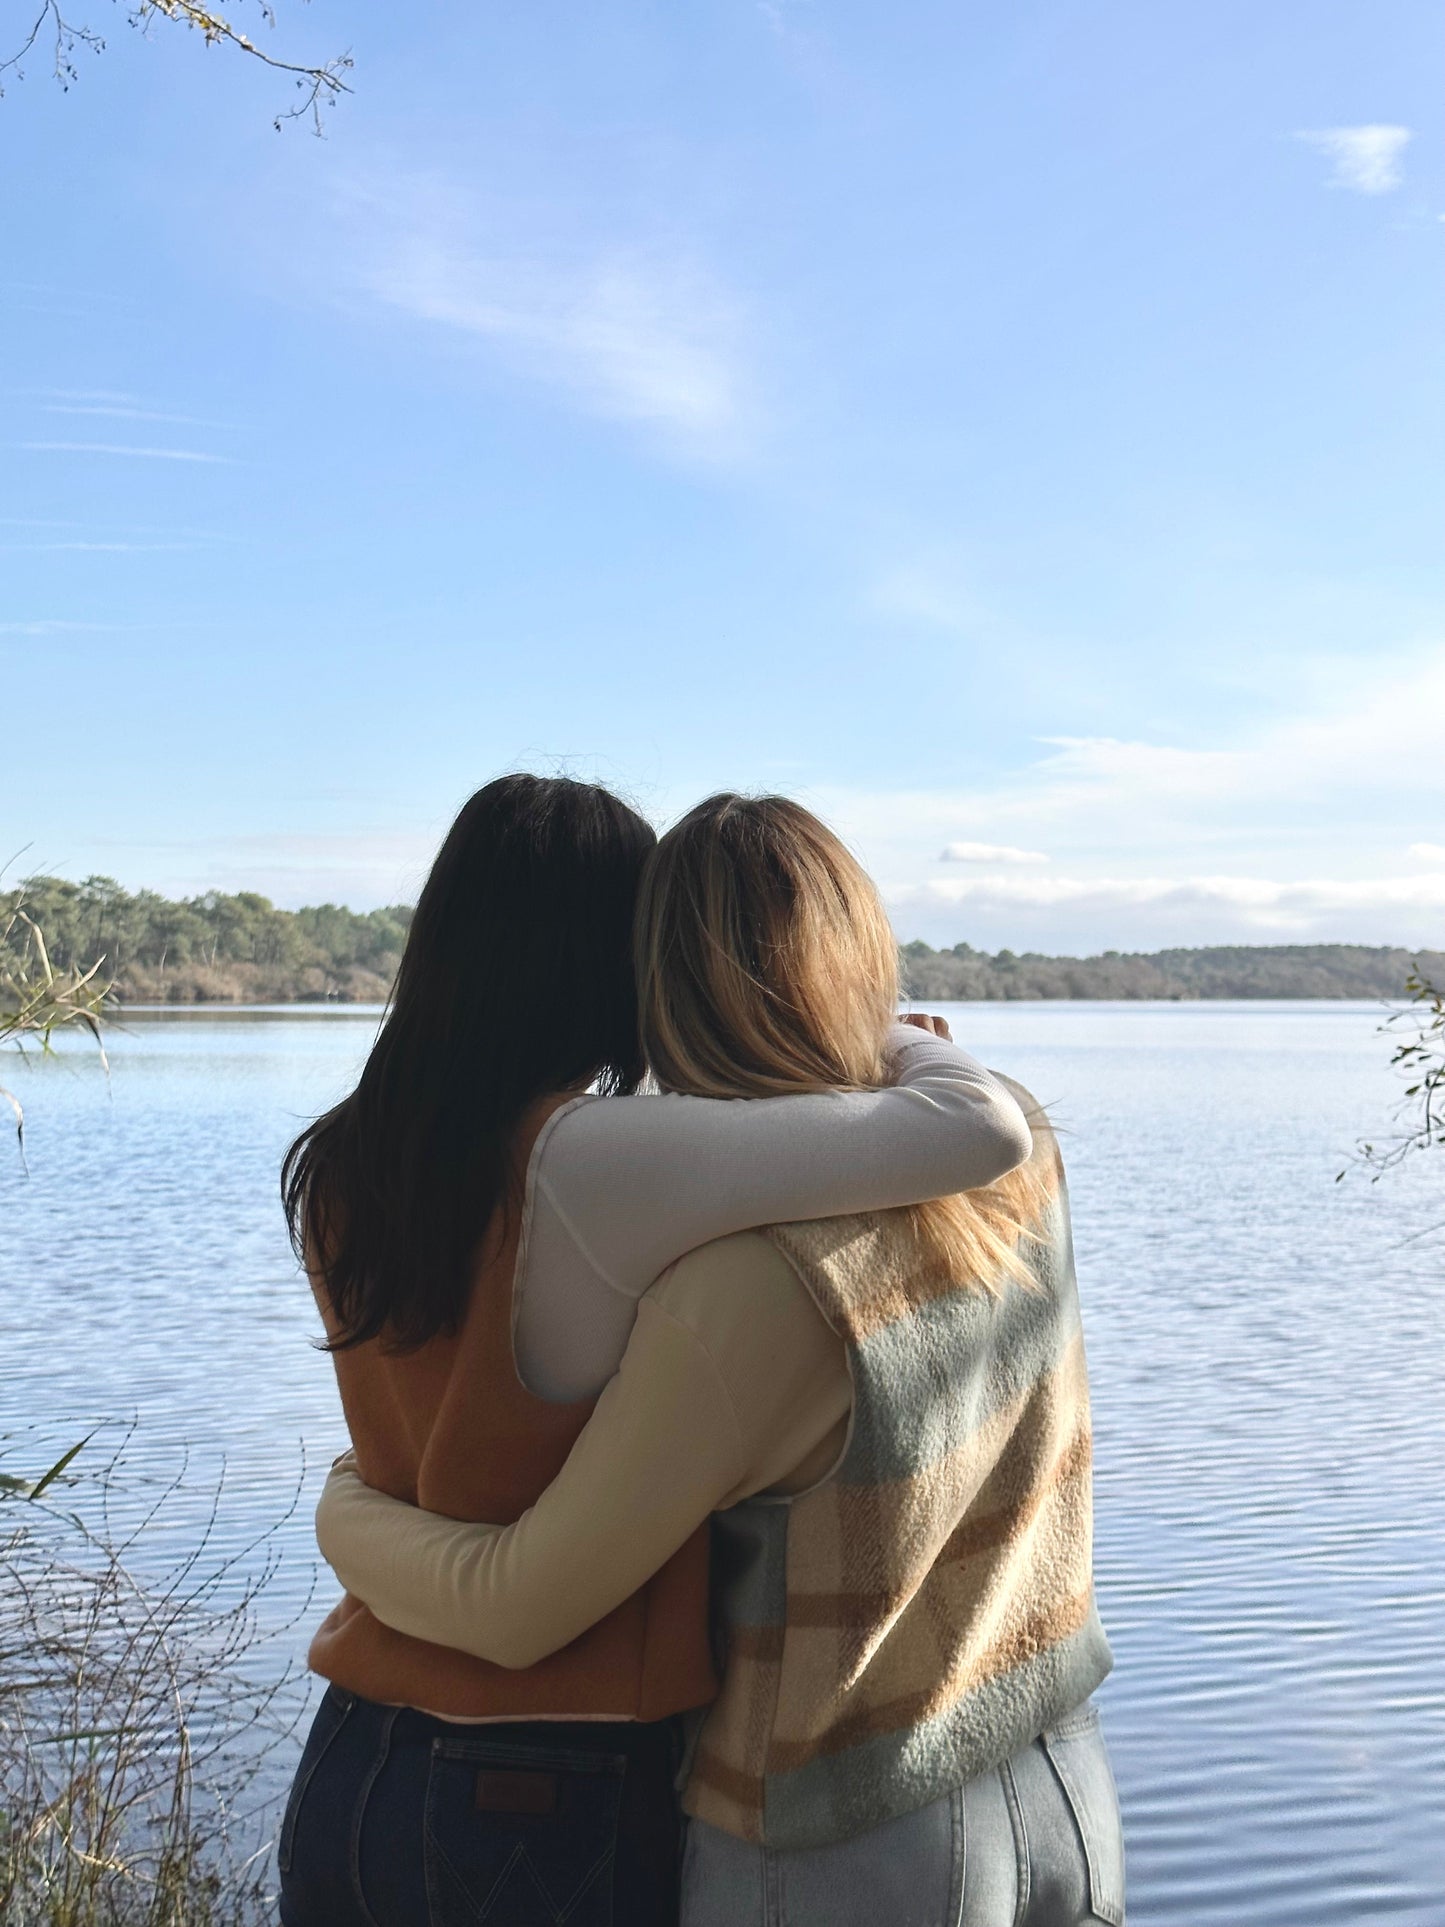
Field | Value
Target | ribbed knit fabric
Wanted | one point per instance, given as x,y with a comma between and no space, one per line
928,1609
452,1428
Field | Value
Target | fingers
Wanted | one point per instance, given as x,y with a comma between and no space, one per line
925,1020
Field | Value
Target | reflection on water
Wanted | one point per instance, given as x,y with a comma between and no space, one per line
1266,1358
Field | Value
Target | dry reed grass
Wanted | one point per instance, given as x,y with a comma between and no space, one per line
36,999
137,1715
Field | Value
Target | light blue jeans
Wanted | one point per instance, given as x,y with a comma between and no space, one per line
1034,1843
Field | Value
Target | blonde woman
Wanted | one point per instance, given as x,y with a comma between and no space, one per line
888,1415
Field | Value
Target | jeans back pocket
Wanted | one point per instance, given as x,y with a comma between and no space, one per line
1080,1760
522,1835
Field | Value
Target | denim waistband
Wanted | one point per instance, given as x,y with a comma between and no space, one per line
643,1741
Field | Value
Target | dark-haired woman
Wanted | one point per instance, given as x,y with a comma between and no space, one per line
478,1229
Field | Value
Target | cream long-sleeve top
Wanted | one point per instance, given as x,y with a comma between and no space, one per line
620,1187
731,1384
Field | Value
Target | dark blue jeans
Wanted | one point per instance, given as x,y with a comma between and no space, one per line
397,1819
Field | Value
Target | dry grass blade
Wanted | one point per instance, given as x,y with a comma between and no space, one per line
62,1464
36,999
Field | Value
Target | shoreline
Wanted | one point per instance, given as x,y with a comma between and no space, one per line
311,1008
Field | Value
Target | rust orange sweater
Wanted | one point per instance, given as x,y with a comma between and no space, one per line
452,1428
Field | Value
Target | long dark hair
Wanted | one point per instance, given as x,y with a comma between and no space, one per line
516,981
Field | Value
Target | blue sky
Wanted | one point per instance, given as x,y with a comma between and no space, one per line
1014,431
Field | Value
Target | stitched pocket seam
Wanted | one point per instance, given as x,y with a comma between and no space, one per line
1106,1904
603,1766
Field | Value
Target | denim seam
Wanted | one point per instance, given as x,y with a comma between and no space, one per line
439,1853
1021,1842
383,1752
609,1855
772,1890
285,1846
543,1759
1086,1720
1106,1906
958,1874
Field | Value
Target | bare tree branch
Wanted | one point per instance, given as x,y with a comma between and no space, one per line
318,87
66,40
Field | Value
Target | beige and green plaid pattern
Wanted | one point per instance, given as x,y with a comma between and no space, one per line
928,1609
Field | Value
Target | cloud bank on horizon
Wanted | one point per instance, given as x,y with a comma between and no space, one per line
1107,823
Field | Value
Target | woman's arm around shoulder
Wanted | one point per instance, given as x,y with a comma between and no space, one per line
636,1181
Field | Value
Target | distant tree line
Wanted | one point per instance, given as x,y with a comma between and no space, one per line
215,947
1221,970
242,949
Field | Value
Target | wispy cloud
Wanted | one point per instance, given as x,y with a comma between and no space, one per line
113,404
1265,829
115,412
1143,912
989,853
1264,899
360,867
785,18
117,397
95,548
1367,160
1380,738
638,332
86,536
928,597
52,626
116,448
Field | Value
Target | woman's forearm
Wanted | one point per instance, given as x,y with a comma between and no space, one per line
732,1381
656,1457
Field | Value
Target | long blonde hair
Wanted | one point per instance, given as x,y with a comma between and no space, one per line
766,965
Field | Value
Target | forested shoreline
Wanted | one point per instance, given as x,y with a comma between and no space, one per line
240,948
1217,971
215,948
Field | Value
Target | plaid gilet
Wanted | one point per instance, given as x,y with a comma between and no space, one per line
928,1609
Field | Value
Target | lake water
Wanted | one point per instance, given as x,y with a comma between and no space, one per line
1265,1346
